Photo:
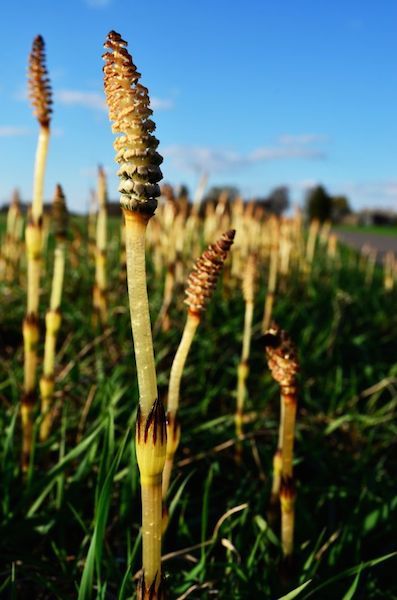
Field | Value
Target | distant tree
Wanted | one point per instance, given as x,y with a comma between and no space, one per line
214,192
183,191
278,200
318,204
340,208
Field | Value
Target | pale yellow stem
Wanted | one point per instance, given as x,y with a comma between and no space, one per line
287,527
248,317
30,365
311,243
173,429
151,431
288,434
53,323
39,172
242,371
189,331
169,463
49,353
276,482
58,275
139,309
34,270
271,289
151,530
277,458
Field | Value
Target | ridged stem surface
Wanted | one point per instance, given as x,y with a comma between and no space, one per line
58,275
39,172
139,309
151,530
33,284
288,434
271,289
242,371
173,435
53,323
287,527
189,331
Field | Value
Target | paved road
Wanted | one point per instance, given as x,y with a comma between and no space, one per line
382,243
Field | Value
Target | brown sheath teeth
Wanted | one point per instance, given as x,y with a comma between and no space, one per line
156,421
287,488
150,593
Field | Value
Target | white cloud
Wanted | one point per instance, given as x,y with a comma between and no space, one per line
161,103
375,192
96,100
213,160
93,100
302,139
12,131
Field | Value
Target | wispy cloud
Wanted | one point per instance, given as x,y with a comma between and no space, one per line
92,100
302,139
214,160
13,131
96,100
161,103
377,192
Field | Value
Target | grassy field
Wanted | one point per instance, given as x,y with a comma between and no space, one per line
72,529
390,230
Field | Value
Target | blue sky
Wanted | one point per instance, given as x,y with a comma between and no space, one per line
256,93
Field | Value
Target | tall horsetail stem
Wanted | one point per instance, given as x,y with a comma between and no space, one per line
54,316
139,174
200,288
100,287
248,286
41,98
284,366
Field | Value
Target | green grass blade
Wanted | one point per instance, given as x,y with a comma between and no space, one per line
294,593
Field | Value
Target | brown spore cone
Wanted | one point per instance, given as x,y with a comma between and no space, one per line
204,276
59,213
128,102
39,84
282,357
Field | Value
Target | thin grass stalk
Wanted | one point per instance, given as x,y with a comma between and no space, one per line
40,94
139,172
53,317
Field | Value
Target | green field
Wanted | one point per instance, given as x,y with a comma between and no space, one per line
73,528
390,230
